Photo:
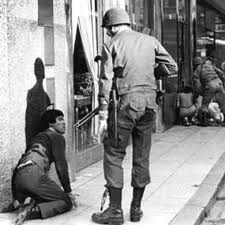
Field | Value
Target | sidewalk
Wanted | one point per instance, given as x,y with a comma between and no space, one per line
181,159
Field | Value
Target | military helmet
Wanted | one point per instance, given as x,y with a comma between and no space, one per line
197,60
115,16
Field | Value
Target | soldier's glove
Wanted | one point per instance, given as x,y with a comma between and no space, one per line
73,199
102,125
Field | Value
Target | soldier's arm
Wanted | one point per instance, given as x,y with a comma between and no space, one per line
162,56
220,74
106,77
196,79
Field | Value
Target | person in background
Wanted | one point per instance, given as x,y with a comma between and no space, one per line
219,72
207,82
127,73
30,178
188,109
223,70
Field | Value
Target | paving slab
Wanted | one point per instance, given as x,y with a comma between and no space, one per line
187,165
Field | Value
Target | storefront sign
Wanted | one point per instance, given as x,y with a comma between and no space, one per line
220,27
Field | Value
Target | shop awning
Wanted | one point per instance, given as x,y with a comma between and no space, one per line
217,4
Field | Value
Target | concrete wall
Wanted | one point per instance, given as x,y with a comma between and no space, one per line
5,162
21,41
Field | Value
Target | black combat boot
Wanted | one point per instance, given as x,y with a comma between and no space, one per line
113,215
135,210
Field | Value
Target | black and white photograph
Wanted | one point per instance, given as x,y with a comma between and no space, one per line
113,112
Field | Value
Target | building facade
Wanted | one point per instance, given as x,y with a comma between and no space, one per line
67,35
29,29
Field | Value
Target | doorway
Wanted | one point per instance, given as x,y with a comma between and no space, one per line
87,149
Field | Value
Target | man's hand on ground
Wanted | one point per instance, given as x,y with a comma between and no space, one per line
73,199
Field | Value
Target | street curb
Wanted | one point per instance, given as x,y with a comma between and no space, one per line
195,210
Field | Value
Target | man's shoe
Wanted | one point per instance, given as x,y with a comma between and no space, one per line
135,214
23,212
111,216
27,211
186,122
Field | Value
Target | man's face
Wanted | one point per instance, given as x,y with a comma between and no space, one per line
209,62
59,125
109,31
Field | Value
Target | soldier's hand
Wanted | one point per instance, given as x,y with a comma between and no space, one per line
159,96
73,199
102,125
102,130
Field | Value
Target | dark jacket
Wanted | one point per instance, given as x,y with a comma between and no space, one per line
45,148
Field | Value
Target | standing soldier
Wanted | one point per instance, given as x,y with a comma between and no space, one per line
127,68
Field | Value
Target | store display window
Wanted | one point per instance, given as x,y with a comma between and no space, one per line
83,91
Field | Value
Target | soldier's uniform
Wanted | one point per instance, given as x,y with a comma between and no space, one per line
128,62
208,84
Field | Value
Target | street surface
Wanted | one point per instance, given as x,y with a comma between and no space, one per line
216,215
180,161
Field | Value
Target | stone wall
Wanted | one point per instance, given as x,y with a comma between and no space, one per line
21,42
5,162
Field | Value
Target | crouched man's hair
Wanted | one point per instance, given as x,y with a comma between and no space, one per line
49,116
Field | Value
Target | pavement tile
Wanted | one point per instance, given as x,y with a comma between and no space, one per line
188,216
204,195
215,212
181,162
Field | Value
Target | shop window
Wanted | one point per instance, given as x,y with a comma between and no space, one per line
142,15
210,32
83,90
170,27
45,19
170,35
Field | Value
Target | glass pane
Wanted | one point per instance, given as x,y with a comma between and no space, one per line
84,137
141,14
83,92
170,28
170,39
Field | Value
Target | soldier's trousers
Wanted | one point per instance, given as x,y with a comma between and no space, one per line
31,181
136,122
213,89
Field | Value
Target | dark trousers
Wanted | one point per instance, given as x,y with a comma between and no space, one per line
137,124
31,181
213,89
220,99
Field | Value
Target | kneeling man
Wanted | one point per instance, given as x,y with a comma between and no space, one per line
30,177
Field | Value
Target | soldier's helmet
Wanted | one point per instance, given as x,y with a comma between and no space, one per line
197,60
115,16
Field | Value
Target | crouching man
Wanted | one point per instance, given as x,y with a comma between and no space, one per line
30,177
